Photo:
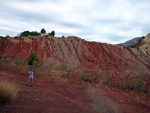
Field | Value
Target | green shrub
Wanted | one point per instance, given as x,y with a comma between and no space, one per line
32,58
132,46
6,60
86,77
107,68
48,67
37,64
65,68
8,91
137,83
103,79
147,75
18,62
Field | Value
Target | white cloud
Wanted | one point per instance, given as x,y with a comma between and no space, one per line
111,21
8,29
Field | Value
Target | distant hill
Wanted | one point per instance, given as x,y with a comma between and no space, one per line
131,42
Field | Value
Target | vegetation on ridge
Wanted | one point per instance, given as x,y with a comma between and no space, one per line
43,30
35,33
28,33
52,33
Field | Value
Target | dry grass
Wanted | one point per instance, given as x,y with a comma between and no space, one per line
8,91
49,74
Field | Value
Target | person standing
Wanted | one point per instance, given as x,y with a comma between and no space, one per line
31,73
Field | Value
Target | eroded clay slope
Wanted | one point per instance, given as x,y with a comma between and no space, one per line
77,53
144,44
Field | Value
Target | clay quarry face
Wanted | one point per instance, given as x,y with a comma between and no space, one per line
77,53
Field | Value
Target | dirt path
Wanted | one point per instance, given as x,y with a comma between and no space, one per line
58,97
102,103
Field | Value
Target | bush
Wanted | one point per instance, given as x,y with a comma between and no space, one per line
147,75
86,77
52,33
8,91
37,64
132,46
65,68
137,83
18,62
32,58
107,68
48,67
6,60
102,80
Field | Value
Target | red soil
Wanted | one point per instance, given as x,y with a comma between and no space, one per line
59,97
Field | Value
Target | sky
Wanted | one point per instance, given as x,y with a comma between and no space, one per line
106,21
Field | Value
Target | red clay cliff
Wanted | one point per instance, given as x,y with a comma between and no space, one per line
77,53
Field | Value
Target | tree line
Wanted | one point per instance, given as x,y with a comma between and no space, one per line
35,33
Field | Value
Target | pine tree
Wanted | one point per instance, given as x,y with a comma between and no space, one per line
43,30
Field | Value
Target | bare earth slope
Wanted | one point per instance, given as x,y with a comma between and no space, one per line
58,97
77,53
144,44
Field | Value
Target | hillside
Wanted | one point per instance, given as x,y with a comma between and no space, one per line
144,44
77,53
